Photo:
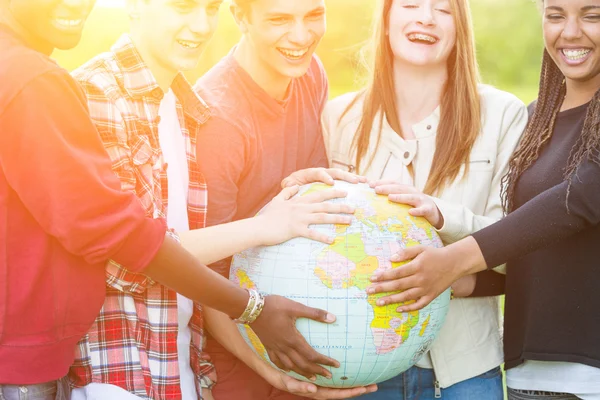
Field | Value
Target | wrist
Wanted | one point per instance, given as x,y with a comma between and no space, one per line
253,309
466,256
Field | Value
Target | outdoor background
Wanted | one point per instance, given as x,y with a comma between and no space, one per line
508,35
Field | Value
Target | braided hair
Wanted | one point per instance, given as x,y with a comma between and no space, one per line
539,130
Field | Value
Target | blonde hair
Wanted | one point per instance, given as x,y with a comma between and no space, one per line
460,120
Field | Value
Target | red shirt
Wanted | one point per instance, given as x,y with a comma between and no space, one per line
252,141
62,217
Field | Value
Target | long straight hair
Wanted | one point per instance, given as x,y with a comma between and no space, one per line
460,119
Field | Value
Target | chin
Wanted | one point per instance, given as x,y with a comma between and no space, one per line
66,44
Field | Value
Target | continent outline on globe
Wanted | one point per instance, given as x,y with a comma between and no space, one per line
381,342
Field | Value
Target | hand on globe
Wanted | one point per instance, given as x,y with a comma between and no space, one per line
423,205
285,218
286,347
324,175
428,272
305,389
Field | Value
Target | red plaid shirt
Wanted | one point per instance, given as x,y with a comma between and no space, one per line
133,342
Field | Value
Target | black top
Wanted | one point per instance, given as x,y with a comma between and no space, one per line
552,310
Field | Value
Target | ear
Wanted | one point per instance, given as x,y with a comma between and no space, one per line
240,16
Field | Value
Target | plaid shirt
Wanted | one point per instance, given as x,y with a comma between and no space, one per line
133,342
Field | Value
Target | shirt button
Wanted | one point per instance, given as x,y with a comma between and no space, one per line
23,389
428,127
406,154
157,94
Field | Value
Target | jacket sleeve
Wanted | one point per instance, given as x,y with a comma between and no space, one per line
459,221
53,159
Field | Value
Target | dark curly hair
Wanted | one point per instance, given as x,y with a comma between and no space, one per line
541,126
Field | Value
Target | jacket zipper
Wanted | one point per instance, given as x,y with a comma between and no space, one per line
349,166
487,161
438,390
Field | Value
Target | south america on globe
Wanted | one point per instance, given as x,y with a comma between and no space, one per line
372,343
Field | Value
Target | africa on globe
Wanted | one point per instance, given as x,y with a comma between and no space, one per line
372,343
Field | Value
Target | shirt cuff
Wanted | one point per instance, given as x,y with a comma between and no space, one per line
453,228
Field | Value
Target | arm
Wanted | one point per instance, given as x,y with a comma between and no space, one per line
527,229
536,230
53,159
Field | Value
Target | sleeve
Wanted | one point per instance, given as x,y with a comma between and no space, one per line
221,154
53,159
500,243
489,283
459,221
318,157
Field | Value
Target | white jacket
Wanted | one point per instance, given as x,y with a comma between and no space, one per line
470,342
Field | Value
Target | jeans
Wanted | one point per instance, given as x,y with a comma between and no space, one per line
419,384
538,395
55,390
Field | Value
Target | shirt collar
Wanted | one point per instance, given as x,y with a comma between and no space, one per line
139,82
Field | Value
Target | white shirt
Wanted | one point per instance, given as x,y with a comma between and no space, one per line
172,144
581,380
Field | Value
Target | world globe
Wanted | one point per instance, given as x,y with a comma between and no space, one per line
371,343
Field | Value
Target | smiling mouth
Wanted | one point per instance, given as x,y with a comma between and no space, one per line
188,44
422,38
65,23
293,54
575,54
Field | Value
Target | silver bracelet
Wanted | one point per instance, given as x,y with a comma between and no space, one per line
252,298
255,305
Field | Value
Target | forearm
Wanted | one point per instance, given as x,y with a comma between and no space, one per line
217,242
465,256
179,270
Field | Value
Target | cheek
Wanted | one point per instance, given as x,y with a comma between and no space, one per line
551,32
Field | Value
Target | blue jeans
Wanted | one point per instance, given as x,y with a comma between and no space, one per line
419,384
538,395
55,390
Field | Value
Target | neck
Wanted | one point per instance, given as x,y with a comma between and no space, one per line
580,92
163,75
418,91
263,74
6,18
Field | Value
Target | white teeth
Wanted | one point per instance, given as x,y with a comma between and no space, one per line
422,37
295,54
70,23
575,54
188,45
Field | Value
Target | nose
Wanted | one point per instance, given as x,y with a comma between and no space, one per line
300,34
199,23
571,30
426,17
78,5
